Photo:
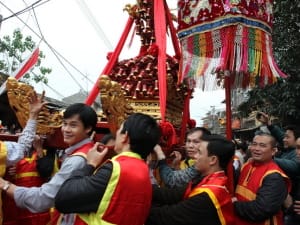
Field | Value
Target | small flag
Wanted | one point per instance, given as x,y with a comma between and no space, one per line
26,65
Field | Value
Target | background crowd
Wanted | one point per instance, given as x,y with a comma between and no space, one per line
139,184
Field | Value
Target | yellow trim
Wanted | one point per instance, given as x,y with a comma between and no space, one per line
80,154
3,155
246,193
110,189
201,63
27,174
273,171
96,218
93,218
130,154
34,156
184,165
214,200
31,159
55,167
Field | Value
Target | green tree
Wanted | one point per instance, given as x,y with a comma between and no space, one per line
14,49
282,98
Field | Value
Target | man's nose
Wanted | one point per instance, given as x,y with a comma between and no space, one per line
66,128
190,144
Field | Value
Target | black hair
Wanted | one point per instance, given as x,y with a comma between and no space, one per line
87,115
143,132
295,129
195,129
221,147
240,145
272,139
106,138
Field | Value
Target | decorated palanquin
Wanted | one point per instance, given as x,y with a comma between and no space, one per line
49,119
147,83
18,95
227,37
227,43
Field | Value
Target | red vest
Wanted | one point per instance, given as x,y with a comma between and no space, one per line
82,151
215,186
250,180
127,198
26,176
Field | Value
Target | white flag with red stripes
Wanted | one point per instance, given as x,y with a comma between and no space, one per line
26,65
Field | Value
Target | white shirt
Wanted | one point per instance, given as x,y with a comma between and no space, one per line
16,150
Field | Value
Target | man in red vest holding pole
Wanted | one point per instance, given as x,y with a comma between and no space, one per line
79,121
206,199
262,185
119,191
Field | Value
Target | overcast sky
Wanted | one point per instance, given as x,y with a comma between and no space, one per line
83,32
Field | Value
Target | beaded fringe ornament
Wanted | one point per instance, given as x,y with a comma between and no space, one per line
218,37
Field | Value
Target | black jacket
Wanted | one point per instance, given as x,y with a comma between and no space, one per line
89,188
169,208
269,199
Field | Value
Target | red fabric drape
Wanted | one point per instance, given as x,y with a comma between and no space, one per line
173,32
160,36
112,60
185,117
27,64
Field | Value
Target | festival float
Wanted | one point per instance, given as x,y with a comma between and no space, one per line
147,83
227,44
224,44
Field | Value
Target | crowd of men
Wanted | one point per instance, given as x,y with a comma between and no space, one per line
127,189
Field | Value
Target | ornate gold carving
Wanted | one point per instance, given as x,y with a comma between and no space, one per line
138,78
131,9
114,104
117,106
18,96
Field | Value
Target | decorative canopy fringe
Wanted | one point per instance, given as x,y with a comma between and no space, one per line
233,36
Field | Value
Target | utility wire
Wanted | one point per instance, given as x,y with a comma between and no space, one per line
73,78
46,42
56,53
52,89
25,9
89,15
37,22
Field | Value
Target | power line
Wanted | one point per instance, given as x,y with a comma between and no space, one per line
73,78
52,89
51,48
89,15
25,9
57,53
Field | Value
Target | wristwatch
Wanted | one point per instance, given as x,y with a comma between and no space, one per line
6,186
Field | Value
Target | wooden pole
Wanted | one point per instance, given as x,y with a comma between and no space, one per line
228,105
230,171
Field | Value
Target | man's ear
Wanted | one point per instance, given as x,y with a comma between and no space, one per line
274,150
125,138
213,160
88,130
